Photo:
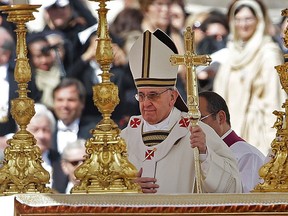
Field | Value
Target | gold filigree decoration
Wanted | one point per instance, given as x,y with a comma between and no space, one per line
274,174
106,168
285,39
22,171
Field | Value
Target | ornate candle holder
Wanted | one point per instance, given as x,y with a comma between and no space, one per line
275,172
22,171
106,167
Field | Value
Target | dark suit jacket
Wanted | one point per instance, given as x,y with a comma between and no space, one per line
85,125
60,180
120,76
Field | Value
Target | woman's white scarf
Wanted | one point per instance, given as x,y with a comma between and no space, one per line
242,53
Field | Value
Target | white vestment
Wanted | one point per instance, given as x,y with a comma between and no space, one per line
171,162
250,160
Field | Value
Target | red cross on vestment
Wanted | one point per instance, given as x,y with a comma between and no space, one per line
184,122
134,123
149,154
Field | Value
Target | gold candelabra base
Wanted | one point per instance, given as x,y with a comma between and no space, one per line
275,173
106,168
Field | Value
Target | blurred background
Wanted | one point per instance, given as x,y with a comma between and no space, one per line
192,6
274,6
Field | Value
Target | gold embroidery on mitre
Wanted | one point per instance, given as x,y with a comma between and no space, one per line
155,82
146,54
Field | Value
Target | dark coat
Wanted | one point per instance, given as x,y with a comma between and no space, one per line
60,180
85,125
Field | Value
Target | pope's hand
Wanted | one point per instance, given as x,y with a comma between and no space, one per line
146,183
198,139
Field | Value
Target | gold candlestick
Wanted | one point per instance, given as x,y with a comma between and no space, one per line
275,172
22,171
106,168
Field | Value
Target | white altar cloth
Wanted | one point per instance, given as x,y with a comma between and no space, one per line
144,200
7,205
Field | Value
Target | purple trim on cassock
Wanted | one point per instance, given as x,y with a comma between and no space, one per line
232,138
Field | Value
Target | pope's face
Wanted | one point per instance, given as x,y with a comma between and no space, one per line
156,110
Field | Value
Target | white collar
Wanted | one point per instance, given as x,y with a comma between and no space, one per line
3,71
163,125
226,134
74,126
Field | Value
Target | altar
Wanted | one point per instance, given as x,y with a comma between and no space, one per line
30,197
144,204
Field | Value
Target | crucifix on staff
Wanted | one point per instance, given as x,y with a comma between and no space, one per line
191,60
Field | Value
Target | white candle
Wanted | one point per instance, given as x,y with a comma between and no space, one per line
20,2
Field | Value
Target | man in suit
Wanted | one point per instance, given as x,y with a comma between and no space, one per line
72,157
69,101
42,126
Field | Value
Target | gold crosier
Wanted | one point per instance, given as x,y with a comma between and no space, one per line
106,168
22,171
190,59
275,172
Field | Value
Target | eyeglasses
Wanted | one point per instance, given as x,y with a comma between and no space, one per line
153,96
75,163
206,116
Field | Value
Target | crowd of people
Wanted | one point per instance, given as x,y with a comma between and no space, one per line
240,89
